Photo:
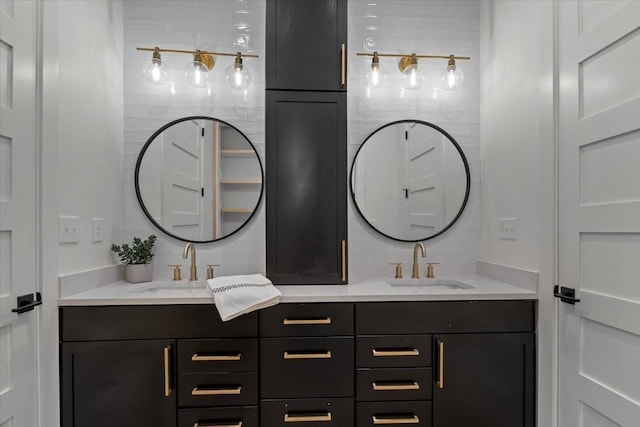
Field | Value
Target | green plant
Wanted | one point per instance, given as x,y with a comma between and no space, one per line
138,253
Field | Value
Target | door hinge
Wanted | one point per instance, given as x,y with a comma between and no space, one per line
567,295
202,191
406,135
27,303
202,131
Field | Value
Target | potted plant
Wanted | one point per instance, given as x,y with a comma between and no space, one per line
137,259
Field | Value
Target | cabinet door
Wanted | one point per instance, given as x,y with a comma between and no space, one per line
306,187
484,380
306,45
118,383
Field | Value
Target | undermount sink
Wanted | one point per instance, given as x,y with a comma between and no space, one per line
168,286
435,283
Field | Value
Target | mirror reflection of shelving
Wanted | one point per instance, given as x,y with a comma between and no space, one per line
238,177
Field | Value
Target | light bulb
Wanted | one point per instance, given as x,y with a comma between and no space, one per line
376,74
155,69
238,76
452,76
412,77
197,72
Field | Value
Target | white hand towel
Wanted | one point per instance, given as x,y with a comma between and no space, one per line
237,295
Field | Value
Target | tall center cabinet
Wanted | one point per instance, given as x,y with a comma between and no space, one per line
306,140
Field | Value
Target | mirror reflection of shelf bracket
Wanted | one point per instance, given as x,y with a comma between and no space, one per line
235,210
241,181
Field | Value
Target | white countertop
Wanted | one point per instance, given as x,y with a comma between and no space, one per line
184,292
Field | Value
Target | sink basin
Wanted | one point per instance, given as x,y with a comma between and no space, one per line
431,283
168,286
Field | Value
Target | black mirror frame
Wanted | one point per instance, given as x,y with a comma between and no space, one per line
466,168
137,173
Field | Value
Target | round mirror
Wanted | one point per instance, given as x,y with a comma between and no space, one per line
199,179
410,180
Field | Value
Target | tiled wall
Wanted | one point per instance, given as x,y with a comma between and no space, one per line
428,27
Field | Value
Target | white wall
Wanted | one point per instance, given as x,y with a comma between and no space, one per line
90,127
510,109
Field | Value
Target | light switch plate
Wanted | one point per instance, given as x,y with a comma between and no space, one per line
97,229
508,228
68,229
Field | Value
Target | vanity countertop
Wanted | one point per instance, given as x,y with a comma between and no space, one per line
184,292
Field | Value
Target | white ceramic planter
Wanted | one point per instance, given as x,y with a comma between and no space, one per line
136,273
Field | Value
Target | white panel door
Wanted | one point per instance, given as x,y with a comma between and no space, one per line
18,244
182,181
599,212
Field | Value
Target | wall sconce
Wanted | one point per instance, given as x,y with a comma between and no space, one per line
412,75
197,71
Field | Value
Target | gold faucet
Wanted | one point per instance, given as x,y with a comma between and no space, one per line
193,274
416,269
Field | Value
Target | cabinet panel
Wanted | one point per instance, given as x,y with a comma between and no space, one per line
491,376
304,44
393,351
415,414
230,417
444,317
306,320
306,187
122,383
394,384
217,355
218,389
305,367
301,412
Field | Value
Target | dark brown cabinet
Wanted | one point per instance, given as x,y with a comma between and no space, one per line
306,187
306,45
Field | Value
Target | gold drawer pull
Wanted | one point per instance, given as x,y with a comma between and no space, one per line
395,353
409,420
396,386
318,321
215,391
215,357
440,364
324,355
238,424
167,371
307,418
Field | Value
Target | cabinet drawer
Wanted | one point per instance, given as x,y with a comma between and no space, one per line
394,384
216,355
219,417
306,320
391,351
217,389
302,412
305,367
444,317
416,414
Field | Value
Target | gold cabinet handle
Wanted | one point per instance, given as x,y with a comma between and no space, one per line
167,371
408,420
307,418
224,424
294,355
317,321
395,353
343,65
215,391
215,357
440,364
344,257
412,385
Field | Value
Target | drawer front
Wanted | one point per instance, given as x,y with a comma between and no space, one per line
218,389
425,317
394,384
307,412
218,355
219,417
414,414
306,320
393,351
304,367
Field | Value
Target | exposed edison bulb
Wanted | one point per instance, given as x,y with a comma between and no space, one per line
452,76
238,76
412,76
197,72
376,74
155,69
